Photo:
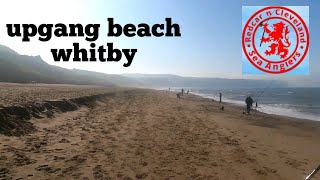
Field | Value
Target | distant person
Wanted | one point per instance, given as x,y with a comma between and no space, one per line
220,96
182,90
249,102
188,91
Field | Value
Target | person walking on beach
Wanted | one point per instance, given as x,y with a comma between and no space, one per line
249,102
220,95
182,90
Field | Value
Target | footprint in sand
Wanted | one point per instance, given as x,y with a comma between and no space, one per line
47,169
270,170
4,172
82,136
77,175
127,178
57,158
99,173
64,141
261,172
22,160
144,164
142,176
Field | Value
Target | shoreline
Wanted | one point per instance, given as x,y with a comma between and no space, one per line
262,108
257,112
297,115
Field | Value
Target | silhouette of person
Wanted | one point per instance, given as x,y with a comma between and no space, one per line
220,96
249,102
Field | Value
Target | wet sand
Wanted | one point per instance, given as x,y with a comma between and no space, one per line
148,134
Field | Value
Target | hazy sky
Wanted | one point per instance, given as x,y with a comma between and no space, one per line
211,33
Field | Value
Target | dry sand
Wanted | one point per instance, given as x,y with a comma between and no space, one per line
147,134
17,94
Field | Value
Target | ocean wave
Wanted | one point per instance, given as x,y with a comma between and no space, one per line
289,110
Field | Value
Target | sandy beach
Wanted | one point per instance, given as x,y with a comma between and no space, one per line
149,134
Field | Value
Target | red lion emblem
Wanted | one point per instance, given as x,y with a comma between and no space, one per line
279,39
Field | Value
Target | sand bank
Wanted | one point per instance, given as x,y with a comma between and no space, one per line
148,134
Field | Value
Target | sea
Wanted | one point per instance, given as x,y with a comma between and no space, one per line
293,102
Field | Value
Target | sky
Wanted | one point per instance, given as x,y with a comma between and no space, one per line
210,45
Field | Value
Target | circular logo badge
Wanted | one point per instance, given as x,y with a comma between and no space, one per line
275,39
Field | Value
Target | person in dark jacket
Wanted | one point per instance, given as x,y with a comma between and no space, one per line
249,102
220,97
